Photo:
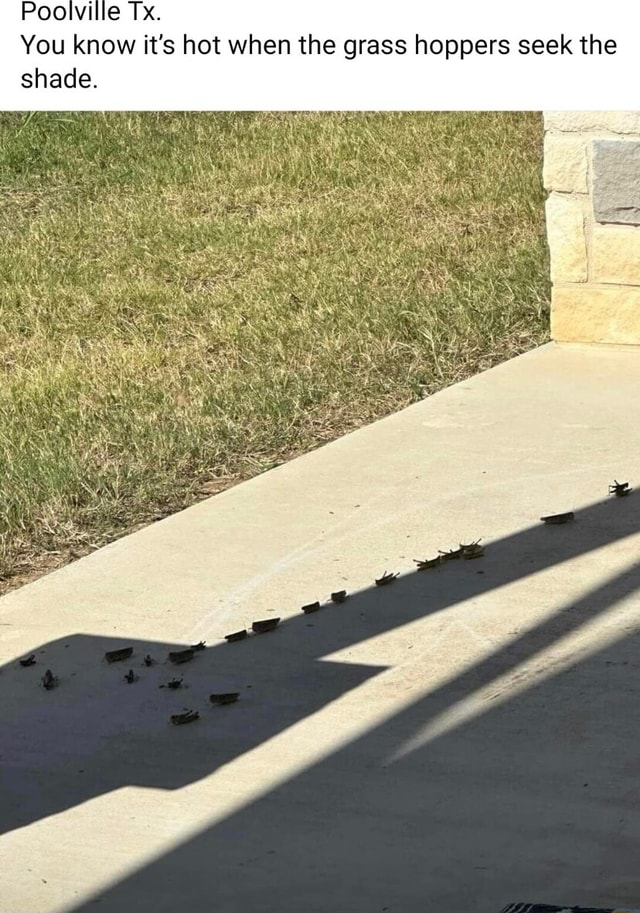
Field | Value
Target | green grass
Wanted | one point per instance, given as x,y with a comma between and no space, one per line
187,300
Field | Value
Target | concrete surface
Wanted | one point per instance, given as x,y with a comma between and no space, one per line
464,738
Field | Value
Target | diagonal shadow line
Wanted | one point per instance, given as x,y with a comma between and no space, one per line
532,645
392,732
509,559
414,596
418,595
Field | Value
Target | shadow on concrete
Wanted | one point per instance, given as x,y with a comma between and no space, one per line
531,798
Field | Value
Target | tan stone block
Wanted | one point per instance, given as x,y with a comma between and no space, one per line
593,121
565,163
616,254
585,314
566,238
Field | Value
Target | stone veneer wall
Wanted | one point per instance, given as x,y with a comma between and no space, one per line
592,173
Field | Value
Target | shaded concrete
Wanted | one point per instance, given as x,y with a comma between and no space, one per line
465,737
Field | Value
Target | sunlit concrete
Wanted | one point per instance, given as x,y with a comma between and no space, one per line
460,739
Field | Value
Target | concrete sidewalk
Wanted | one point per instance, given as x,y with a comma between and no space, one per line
461,739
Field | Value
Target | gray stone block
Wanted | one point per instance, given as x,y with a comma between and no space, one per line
616,181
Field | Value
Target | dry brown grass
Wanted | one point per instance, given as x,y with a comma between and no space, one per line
187,300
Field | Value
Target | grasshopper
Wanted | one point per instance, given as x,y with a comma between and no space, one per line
189,716
427,563
261,627
619,489
181,656
451,555
472,550
386,578
221,699
49,680
557,519
115,656
173,685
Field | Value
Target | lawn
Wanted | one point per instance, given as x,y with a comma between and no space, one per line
187,300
